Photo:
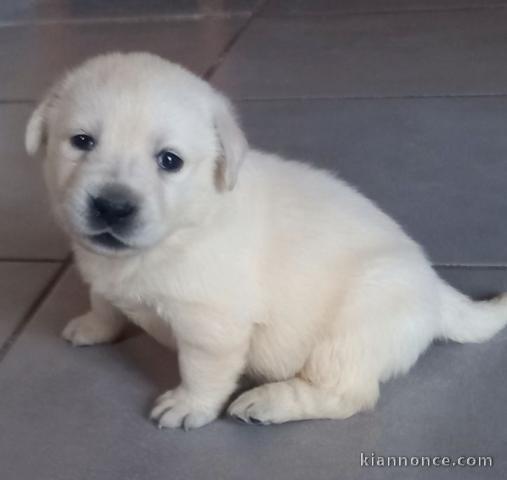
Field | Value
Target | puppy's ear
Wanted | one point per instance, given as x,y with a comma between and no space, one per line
233,144
36,133
36,129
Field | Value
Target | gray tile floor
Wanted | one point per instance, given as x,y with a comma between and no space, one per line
404,98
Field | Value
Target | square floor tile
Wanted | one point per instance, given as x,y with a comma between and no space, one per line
438,166
32,57
20,285
63,10
330,7
82,413
27,229
431,53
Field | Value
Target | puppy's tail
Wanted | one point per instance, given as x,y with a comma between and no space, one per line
465,320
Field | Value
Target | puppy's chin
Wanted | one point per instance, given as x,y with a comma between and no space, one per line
113,245
109,243
105,244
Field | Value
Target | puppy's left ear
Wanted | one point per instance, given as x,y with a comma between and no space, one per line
232,141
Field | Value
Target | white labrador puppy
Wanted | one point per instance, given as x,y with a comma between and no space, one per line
252,263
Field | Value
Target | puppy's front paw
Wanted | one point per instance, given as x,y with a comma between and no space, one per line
176,408
89,330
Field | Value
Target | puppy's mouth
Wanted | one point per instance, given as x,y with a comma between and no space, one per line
108,240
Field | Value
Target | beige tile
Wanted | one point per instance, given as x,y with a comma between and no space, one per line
31,57
458,52
27,229
20,285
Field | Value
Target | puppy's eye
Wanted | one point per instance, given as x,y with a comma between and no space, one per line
83,142
169,161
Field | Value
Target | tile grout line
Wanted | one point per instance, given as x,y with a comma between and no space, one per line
34,307
30,260
351,13
317,98
231,15
163,18
303,98
234,39
469,266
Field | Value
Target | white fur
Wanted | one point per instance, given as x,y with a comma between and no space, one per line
249,262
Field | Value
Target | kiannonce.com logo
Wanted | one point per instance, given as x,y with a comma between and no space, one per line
424,461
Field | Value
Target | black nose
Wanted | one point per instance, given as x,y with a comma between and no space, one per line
114,205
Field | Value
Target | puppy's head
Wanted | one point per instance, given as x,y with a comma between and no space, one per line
136,148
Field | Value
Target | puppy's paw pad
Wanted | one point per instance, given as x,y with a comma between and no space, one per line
257,407
175,409
87,330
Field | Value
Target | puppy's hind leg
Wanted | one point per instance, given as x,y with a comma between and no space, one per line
102,324
386,320
319,391
335,382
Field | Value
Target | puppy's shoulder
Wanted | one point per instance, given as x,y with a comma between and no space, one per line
273,174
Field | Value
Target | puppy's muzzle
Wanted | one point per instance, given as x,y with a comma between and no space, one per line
115,207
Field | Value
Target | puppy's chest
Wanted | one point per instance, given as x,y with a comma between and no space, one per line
147,317
152,299
142,303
